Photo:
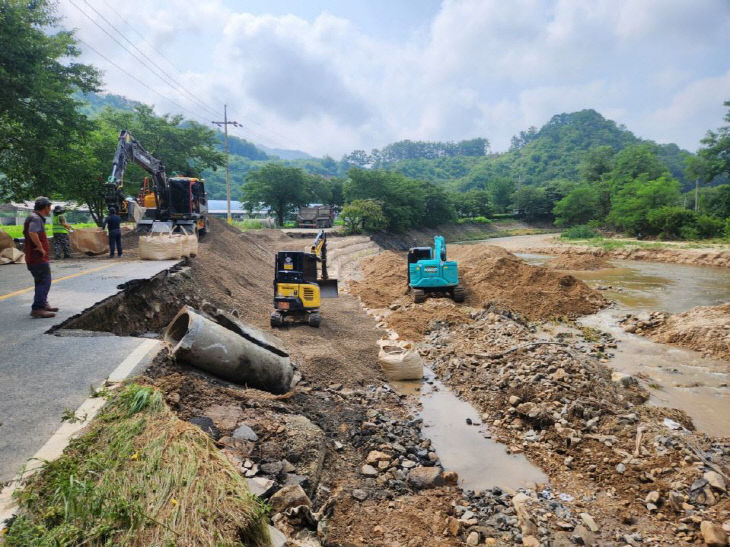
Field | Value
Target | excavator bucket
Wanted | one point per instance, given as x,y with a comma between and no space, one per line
327,288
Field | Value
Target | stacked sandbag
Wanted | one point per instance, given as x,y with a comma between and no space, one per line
399,360
161,247
90,241
11,255
193,244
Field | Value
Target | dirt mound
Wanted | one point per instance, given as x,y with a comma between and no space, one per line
491,275
414,322
385,279
705,329
579,263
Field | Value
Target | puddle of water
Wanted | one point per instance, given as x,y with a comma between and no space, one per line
676,377
480,462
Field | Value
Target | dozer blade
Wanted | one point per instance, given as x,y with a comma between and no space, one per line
327,288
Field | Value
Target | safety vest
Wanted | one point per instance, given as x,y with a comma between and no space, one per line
58,228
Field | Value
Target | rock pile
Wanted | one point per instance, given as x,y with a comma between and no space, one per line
587,428
705,329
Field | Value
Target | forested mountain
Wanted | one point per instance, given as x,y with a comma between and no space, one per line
94,103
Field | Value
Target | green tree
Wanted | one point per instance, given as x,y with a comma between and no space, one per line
474,203
402,199
184,148
40,125
363,215
277,186
671,221
578,207
633,162
531,202
715,201
500,193
634,201
716,148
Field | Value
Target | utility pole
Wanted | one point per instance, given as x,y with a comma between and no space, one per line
697,195
225,123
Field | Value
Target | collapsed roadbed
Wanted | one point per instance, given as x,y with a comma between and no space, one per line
343,458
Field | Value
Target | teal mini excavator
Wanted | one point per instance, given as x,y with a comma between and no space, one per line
429,273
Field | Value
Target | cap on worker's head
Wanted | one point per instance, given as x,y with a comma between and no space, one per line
112,210
58,209
41,203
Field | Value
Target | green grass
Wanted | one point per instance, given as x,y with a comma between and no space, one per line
613,244
17,231
474,220
140,476
249,224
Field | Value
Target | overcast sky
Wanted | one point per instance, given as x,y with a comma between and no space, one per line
328,77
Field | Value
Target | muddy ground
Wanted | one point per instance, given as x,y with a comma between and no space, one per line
621,472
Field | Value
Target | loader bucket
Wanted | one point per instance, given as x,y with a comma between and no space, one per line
327,288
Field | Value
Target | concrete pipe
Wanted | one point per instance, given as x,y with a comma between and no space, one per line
204,344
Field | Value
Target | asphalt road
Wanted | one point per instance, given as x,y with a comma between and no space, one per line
42,375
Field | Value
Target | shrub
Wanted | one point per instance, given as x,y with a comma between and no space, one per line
669,221
579,232
689,232
474,220
709,227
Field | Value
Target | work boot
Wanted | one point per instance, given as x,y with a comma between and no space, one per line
42,313
50,308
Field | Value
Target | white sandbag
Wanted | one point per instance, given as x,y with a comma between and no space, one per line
160,247
13,255
193,244
184,244
399,360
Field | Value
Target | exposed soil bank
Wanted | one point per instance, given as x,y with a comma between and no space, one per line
705,329
697,257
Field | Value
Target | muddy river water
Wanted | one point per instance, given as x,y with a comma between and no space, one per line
675,377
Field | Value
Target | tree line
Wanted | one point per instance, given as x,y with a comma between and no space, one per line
54,144
577,169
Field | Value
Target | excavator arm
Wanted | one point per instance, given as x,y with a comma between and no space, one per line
128,149
327,286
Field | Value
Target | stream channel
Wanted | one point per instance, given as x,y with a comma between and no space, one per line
675,377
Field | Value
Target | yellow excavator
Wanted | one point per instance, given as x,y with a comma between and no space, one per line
297,288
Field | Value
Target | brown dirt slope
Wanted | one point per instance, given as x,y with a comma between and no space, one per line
697,257
491,275
235,271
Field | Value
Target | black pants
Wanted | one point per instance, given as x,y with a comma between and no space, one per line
42,276
115,239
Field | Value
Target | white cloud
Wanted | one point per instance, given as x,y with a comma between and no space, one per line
484,68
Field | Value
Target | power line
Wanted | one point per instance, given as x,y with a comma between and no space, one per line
171,78
133,55
146,41
92,48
